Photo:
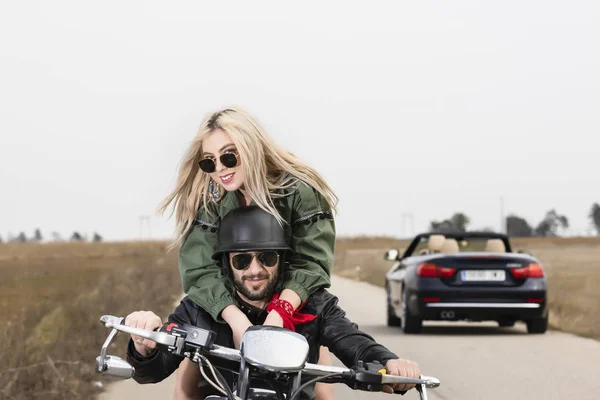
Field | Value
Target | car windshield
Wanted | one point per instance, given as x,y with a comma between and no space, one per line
462,244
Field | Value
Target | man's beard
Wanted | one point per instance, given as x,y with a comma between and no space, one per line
267,291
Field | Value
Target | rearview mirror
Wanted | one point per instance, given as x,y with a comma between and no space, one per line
115,367
523,251
391,255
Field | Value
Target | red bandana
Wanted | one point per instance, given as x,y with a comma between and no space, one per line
289,316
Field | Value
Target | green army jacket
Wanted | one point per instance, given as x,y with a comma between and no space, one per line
310,230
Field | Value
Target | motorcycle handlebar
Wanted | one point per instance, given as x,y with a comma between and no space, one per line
321,370
316,370
158,337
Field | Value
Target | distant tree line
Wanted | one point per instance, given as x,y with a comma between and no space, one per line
548,226
517,226
456,223
56,237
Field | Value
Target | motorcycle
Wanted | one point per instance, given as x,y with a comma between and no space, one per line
271,354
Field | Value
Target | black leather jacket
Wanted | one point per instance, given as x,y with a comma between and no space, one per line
331,328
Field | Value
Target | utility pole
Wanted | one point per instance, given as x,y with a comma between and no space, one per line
407,218
502,219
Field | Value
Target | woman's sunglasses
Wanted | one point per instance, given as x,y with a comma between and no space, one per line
209,165
242,261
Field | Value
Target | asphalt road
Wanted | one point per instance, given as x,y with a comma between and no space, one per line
476,361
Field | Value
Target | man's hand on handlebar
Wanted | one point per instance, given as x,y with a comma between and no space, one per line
401,367
144,320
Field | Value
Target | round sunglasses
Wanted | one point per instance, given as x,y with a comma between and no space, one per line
209,165
242,261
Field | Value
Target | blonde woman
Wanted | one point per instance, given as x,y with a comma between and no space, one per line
233,162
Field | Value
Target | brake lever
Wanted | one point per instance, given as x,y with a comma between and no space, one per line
422,387
370,371
118,324
422,392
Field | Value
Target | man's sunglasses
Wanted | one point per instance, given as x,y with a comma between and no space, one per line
209,165
242,261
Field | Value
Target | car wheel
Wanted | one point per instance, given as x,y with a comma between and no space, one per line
410,323
537,325
392,320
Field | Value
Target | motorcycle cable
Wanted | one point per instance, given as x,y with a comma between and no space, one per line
230,394
296,394
224,387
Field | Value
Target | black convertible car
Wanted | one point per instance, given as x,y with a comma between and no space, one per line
471,276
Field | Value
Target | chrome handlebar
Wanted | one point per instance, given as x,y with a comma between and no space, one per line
316,370
158,337
322,370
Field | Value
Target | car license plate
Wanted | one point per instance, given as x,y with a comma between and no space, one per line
484,275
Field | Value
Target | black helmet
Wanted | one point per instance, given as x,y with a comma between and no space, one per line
247,229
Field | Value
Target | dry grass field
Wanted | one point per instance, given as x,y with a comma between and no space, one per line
52,297
572,266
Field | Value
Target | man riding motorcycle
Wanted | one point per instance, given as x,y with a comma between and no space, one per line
252,250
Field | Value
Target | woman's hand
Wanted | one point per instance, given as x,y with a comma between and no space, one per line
145,320
291,296
237,321
274,319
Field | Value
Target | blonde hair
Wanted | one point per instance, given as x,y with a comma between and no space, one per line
268,167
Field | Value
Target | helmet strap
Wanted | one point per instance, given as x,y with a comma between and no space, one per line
225,267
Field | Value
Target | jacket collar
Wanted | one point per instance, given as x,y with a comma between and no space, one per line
230,201
256,315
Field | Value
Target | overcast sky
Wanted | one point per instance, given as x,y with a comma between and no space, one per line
423,108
